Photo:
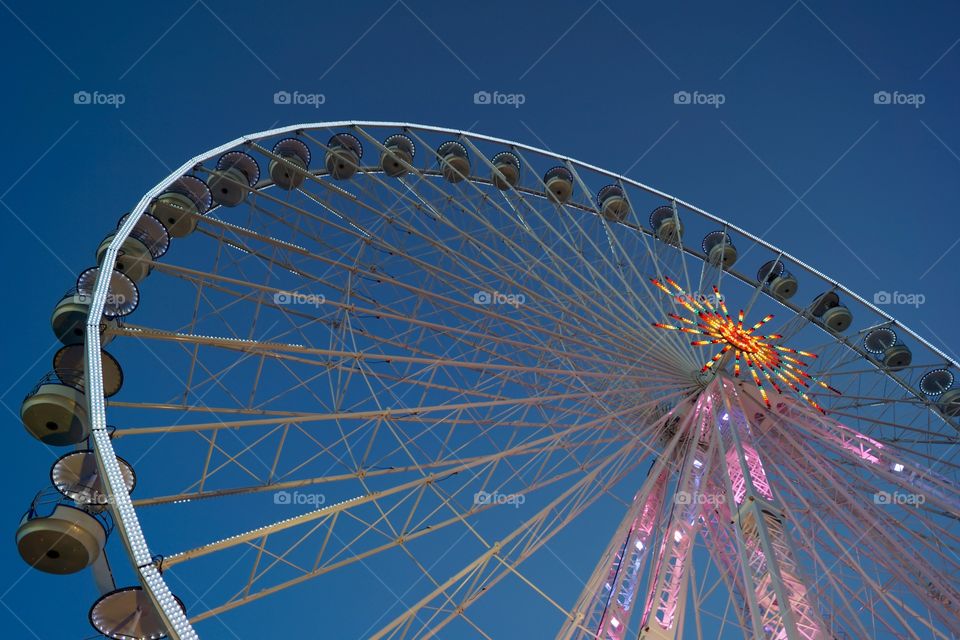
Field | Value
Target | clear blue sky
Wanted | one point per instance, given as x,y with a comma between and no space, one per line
877,183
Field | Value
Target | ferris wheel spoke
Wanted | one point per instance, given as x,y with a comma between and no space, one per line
369,471
482,584
891,434
445,456
512,556
846,615
392,342
808,475
637,287
585,267
555,441
891,521
296,353
413,414
875,592
231,458
387,376
734,598
408,488
856,358
640,285
880,531
932,488
337,561
855,401
180,407
524,257
851,441
639,524
859,453
485,542
493,270
375,311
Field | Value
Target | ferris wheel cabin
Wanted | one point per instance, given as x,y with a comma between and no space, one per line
343,156
288,169
666,224
236,174
454,161
398,155
613,203
559,184
178,208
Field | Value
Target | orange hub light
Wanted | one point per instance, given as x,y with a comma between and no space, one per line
766,361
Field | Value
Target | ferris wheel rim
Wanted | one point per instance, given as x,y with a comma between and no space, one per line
127,520
252,138
887,321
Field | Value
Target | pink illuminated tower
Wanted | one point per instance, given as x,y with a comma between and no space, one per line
720,493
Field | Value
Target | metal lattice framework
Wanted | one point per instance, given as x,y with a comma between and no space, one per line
442,361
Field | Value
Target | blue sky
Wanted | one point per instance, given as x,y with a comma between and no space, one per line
784,134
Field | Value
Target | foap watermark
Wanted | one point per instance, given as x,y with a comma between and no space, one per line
684,498
898,498
89,496
294,297
96,98
898,297
299,497
713,299
898,98
711,99
297,98
512,99
495,297
112,299
482,498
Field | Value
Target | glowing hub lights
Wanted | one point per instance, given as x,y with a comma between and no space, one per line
766,361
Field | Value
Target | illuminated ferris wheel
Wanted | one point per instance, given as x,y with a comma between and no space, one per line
359,353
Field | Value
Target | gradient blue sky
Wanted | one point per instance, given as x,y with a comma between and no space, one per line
799,152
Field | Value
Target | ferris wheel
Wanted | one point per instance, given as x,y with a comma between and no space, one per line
526,396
